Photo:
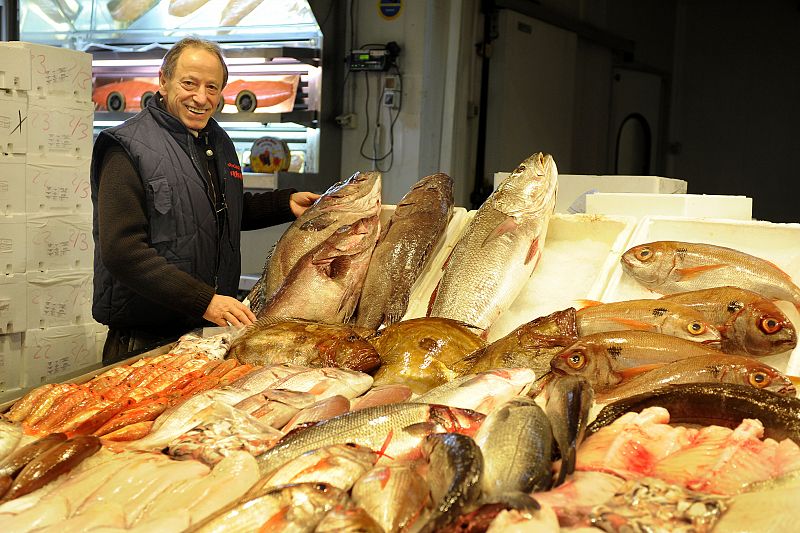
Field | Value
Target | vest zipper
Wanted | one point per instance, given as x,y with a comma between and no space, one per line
212,200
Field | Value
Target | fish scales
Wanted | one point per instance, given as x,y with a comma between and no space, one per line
414,229
501,246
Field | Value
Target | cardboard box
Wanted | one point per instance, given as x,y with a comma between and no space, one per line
15,68
14,124
59,242
57,126
10,363
58,184
51,354
682,205
59,298
12,184
13,242
13,304
53,71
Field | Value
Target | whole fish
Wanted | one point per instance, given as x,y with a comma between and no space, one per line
324,285
342,204
348,519
569,401
750,324
295,507
657,316
703,369
395,495
516,441
299,342
17,460
10,435
56,461
531,345
382,395
24,406
606,359
397,430
416,226
423,352
482,392
455,471
326,382
501,246
721,404
322,410
673,266
281,405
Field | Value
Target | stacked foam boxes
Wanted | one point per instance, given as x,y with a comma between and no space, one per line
46,113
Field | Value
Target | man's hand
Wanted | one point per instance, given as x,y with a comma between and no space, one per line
224,310
300,201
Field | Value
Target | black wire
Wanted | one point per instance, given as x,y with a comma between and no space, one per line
366,111
390,153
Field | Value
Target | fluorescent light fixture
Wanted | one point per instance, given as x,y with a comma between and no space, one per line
127,63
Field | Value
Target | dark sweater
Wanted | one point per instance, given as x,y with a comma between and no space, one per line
124,241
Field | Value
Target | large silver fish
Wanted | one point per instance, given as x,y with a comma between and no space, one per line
417,224
325,284
343,203
501,246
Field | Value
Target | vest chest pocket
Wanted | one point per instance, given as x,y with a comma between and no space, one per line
162,219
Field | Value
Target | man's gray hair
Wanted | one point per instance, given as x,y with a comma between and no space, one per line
171,58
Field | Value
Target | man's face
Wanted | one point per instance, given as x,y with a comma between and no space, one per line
194,91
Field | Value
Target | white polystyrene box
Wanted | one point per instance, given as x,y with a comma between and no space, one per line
10,362
100,334
778,243
59,298
13,242
58,184
685,205
14,122
13,304
12,184
57,126
576,263
59,242
51,354
15,68
55,71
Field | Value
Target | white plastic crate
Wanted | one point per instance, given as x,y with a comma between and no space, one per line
58,126
15,68
59,242
683,205
59,298
10,363
13,122
57,184
52,354
13,242
13,304
51,70
12,184
778,243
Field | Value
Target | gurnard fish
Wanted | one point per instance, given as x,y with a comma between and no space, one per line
750,324
657,316
304,343
500,248
342,204
396,430
569,401
325,284
516,441
672,266
403,248
722,404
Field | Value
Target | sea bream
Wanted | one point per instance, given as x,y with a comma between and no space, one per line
673,266
325,284
342,204
405,243
500,248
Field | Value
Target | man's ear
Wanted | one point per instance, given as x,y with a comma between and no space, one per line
161,79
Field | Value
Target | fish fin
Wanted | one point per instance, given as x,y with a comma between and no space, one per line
588,303
422,429
633,324
781,272
567,466
628,373
533,251
433,298
518,500
447,261
508,225
794,379
689,273
318,223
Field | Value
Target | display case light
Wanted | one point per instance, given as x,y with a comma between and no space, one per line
126,62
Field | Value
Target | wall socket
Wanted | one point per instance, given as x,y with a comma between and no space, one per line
347,121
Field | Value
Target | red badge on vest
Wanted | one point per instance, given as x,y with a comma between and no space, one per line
235,171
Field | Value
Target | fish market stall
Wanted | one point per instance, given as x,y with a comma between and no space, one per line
508,368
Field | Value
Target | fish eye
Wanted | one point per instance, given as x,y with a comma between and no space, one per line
351,445
643,254
758,379
352,338
770,325
576,360
696,328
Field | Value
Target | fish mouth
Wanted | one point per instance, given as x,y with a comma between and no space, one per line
714,343
789,390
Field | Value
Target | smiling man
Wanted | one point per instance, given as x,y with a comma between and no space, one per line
168,210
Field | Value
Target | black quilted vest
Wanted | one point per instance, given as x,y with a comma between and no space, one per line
183,226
